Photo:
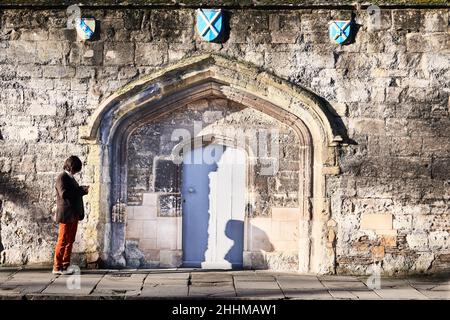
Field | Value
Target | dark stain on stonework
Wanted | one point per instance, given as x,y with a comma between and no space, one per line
16,191
167,176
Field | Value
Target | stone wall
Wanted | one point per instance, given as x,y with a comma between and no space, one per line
390,88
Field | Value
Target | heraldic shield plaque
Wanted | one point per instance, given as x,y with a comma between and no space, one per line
340,31
85,28
209,23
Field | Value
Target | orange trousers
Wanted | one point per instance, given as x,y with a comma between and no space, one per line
66,238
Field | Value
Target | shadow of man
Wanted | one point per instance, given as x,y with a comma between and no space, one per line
234,230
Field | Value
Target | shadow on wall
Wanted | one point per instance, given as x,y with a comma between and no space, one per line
234,230
24,197
14,190
336,119
259,259
18,192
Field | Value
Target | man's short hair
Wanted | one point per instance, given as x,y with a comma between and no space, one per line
73,164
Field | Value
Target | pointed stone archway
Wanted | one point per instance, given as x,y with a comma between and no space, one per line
199,77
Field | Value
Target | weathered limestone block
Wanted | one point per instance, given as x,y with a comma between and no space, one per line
418,42
42,110
403,222
151,54
393,264
28,134
376,221
436,20
440,168
119,53
172,26
410,20
418,241
58,71
441,262
374,126
256,25
439,240
284,28
423,262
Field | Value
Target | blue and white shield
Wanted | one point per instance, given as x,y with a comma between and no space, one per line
85,28
209,23
340,31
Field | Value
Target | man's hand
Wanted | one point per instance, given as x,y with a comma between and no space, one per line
86,189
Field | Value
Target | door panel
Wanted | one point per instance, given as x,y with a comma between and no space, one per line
213,191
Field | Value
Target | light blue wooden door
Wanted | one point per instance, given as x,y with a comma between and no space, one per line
213,193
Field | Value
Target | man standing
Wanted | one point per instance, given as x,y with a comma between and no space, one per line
69,210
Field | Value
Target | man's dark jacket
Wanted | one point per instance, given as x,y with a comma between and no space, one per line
69,199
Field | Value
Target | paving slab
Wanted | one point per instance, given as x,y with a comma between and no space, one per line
338,278
260,293
254,277
65,285
429,284
365,295
258,289
164,291
28,281
349,286
307,293
436,294
433,289
173,278
394,282
10,291
269,285
349,289
342,295
210,277
400,293
222,291
348,294
299,282
119,283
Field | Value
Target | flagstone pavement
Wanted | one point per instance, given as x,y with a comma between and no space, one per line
39,283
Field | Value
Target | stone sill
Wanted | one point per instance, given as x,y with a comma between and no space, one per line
225,3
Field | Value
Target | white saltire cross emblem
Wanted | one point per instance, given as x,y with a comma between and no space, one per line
341,31
209,23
